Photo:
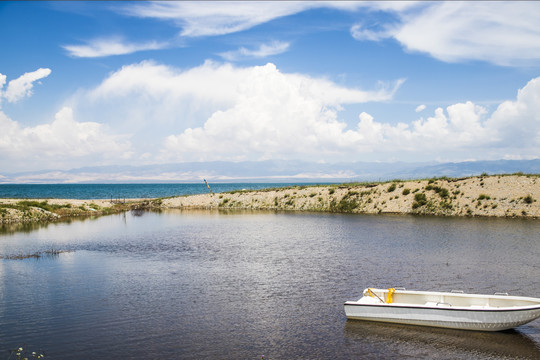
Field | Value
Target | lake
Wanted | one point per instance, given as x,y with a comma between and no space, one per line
127,191
239,284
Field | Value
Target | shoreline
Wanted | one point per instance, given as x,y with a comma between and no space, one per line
515,196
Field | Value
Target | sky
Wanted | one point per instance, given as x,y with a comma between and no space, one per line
140,83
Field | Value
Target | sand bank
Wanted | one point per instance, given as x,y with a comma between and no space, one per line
492,196
498,196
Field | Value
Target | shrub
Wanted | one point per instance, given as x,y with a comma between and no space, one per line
444,193
446,205
484,197
528,199
391,187
419,200
406,191
223,202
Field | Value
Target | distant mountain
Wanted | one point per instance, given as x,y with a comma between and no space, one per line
271,171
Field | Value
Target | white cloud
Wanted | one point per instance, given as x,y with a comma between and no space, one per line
222,112
22,86
420,108
175,98
275,115
215,17
362,33
110,46
512,131
517,123
292,124
63,142
264,50
501,32
211,18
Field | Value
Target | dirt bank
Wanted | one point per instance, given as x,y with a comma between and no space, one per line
497,196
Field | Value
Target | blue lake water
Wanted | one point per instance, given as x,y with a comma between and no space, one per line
241,284
129,191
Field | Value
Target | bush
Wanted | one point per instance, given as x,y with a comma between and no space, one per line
420,199
443,192
391,187
406,191
528,199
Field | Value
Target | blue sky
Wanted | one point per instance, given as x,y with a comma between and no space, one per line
133,83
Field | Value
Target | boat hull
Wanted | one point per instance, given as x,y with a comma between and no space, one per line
483,320
444,315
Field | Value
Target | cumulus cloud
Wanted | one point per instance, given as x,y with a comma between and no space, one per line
64,141
292,123
175,97
517,123
512,131
275,115
264,50
222,112
22,86
110,46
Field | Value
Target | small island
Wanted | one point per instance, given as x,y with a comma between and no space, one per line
514,196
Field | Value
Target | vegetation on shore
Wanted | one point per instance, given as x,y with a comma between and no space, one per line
29,211
513,195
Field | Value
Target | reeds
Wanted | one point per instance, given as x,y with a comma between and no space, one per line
36,255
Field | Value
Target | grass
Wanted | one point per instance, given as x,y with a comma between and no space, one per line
36,255
26,205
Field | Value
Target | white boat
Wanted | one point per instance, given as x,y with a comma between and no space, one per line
455,310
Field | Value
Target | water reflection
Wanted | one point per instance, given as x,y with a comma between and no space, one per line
28,227
507,344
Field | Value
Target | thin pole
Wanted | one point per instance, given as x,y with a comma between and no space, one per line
208,186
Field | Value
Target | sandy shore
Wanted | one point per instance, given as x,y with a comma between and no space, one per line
498,196
492,196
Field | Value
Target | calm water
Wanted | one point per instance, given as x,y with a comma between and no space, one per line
238,285
129,191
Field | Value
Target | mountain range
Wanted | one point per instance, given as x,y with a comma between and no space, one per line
272,171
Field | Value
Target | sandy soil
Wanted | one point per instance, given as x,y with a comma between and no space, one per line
499,196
